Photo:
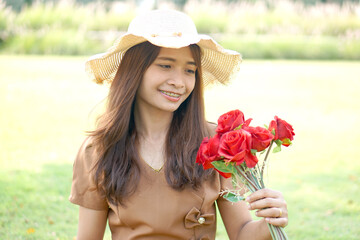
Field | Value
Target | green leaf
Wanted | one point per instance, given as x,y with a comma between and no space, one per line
277,149
278,142
224,167
232,197
238,127
253,151
273,132
266,126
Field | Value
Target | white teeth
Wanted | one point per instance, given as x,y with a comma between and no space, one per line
171,94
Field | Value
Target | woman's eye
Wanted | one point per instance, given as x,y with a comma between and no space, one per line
164,66
190,71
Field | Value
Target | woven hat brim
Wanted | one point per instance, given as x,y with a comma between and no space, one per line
218,64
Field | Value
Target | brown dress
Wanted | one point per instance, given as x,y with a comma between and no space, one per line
155,210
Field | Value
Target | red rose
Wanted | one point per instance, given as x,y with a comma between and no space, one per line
235,146
231,120
208,152
283,131
260,137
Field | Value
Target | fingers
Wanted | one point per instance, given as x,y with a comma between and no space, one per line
266,198
266,203
271,212
275,216
270,205
263,193
279,222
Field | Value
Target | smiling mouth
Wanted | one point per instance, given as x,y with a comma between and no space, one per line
170,94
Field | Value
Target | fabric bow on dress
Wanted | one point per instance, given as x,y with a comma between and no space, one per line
195,218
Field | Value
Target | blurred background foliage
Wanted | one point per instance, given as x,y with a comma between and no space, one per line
267,29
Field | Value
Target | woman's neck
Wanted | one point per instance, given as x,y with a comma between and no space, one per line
152,127
151,124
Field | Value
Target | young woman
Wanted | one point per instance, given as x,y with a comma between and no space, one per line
137,169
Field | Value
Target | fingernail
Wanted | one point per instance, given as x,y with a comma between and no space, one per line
267,219
249,206
247,199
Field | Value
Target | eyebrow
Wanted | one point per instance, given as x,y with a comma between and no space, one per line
174,60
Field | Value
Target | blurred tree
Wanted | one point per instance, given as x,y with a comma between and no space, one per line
180,3
17,5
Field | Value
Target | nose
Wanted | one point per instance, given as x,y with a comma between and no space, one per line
177,79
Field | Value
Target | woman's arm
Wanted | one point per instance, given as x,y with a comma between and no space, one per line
238,221
92,224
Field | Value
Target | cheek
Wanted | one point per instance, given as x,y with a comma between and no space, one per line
190,85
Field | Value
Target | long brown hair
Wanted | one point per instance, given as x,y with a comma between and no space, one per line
115,137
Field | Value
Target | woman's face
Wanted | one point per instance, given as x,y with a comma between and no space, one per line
168,81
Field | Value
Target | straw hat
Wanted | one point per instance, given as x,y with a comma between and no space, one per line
170,29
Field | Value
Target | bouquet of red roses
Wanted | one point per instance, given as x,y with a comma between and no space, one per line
235,149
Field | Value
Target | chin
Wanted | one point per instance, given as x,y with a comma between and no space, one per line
171,109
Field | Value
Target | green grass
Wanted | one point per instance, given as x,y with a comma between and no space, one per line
46,104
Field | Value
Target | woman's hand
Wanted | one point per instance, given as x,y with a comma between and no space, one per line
270,205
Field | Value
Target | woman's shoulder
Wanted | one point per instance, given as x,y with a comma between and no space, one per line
211,126
86,152
87,144
84,191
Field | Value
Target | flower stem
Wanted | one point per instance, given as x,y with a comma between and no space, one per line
242,173
277,233
272,231
264,162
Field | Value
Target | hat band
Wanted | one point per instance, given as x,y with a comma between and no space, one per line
166,34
